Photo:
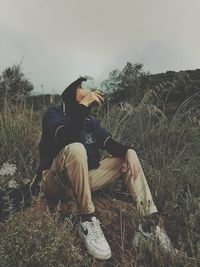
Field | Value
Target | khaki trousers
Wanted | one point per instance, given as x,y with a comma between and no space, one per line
70,170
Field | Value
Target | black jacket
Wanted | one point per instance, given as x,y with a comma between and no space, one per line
61,127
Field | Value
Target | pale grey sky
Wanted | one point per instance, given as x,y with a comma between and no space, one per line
59,40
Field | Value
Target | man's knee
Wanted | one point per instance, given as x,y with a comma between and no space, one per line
77,150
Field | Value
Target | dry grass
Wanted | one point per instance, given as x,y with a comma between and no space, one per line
169,152
19,132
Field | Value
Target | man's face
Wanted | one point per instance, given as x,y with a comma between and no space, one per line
80,94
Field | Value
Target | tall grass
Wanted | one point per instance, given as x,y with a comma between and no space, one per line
169,150
18,139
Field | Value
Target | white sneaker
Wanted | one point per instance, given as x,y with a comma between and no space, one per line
158,234
94,240
164,240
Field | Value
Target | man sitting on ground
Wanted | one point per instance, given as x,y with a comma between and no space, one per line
69,156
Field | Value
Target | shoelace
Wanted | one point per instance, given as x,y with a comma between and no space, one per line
94,230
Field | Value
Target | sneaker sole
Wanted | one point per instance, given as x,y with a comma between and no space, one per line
100,257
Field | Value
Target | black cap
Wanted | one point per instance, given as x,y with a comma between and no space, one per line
70,91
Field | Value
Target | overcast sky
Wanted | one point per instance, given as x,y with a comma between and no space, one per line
59,40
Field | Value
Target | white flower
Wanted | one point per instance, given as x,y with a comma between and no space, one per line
12,184
8,169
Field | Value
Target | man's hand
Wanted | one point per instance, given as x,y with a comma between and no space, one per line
131,161
91,98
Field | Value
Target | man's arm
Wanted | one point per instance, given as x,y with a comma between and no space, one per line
115,148
105,141
67,130
127,153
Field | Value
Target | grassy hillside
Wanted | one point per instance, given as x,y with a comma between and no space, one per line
169,149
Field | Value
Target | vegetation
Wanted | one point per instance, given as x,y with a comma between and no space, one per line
14,84
169,149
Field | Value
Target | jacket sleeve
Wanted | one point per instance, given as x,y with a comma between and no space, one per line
65,130
105,141
115,148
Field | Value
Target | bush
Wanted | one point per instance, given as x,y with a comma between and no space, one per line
14,84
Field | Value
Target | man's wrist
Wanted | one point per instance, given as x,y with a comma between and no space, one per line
84,103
